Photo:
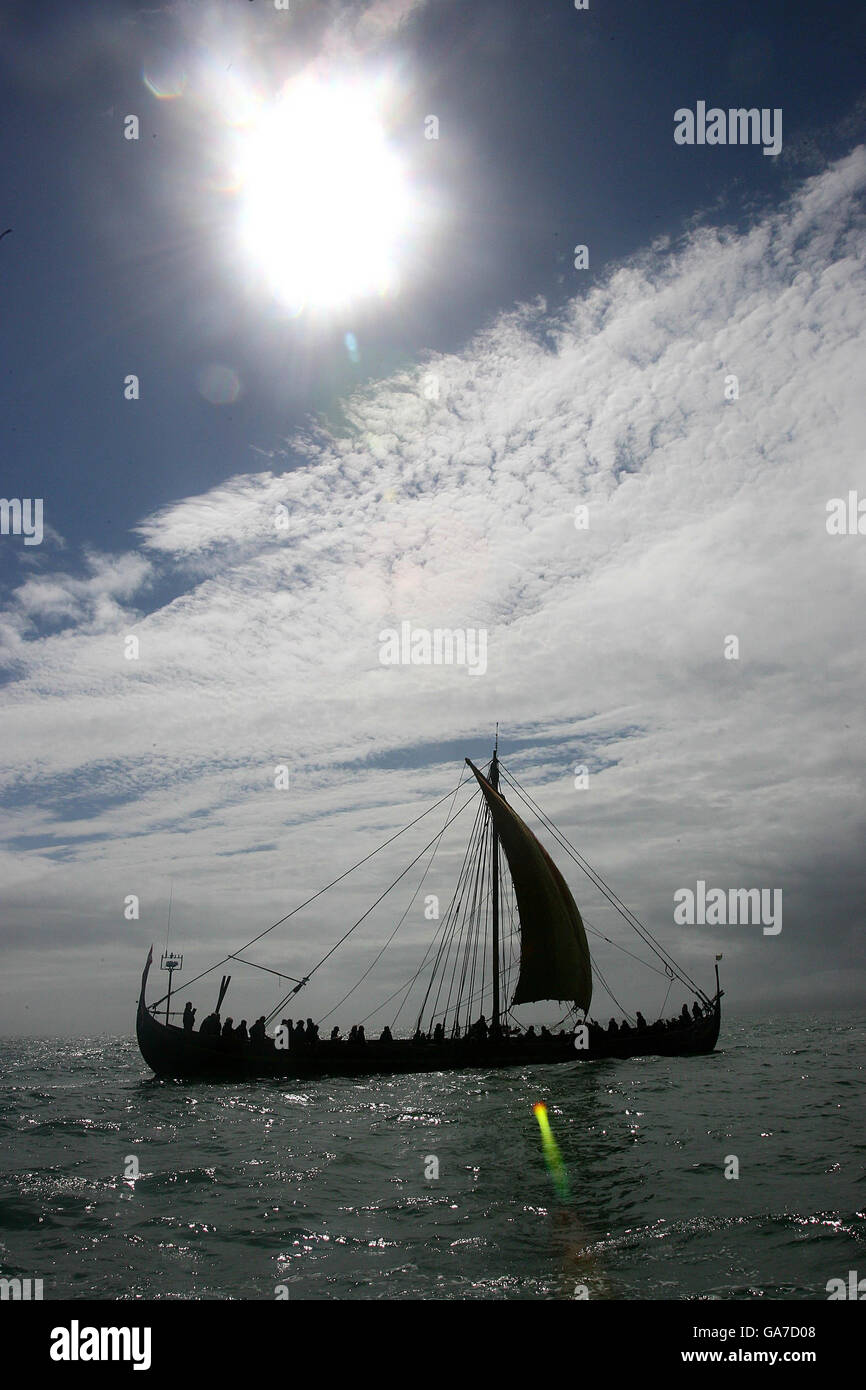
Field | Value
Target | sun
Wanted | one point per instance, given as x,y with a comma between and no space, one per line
324,198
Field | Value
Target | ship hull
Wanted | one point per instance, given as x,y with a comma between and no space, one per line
171,1052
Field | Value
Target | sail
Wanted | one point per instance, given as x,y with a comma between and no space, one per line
554,955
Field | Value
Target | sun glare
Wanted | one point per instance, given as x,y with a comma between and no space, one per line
324,202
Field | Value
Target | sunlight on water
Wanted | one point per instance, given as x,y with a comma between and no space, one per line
114,1185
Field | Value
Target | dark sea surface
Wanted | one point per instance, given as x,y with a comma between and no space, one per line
322,1188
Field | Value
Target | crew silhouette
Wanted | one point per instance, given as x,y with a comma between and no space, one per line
301,1037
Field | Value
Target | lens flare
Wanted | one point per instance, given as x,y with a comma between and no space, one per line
219,384
552,1156
165,77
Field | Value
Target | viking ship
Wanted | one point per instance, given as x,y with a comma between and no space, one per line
471,968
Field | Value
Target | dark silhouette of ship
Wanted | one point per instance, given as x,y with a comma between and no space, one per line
472,961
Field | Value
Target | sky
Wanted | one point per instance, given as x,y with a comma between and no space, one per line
396,398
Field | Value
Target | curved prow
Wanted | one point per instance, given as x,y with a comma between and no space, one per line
147,964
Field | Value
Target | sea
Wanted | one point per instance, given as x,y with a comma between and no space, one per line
736,1176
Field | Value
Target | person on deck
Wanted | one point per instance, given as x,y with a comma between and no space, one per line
241,1031
353,1033
439,1033
361,1037
188,1017
228,1029
684,1014
257,1031
641,1022
480,1029
299,1037
613,1026
312,1033
335,1033
697,1011
385,1035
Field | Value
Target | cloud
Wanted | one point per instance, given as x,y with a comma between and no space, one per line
450,501
369,25
46,602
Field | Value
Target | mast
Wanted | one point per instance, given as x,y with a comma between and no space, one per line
494,782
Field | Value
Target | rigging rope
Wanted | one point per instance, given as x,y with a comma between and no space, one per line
649,965
429,866
612,995
312,899
448,923
604,888
365,915
460,935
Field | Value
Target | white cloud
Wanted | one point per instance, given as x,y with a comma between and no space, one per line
706,519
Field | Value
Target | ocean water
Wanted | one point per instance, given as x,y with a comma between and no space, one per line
263,1190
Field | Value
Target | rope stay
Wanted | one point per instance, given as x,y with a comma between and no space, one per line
625,912
458,941
365,915
318,894
457,978
420,885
